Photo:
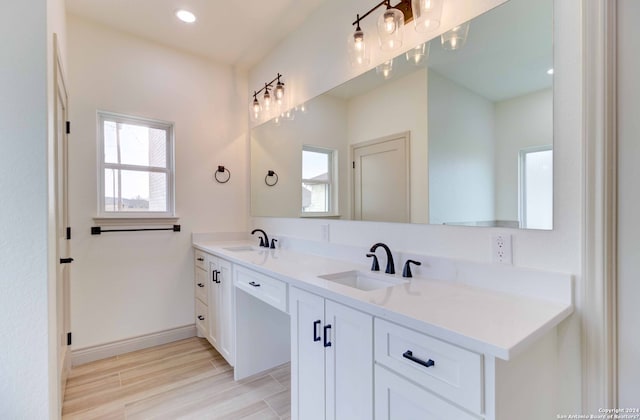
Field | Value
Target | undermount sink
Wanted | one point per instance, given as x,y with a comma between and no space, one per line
363,281
241,248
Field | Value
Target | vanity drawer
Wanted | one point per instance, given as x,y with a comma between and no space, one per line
265,288
201,259
456,373
202,318
201,285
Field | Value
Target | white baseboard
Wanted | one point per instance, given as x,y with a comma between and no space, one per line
115,348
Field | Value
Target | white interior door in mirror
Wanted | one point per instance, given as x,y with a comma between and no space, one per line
381,180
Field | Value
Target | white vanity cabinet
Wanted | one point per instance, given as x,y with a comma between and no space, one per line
214,302
331,359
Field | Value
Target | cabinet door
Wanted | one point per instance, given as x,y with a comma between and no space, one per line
307,356
349,363
214,292
398,399
225,312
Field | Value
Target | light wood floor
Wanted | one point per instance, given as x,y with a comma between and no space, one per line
186,379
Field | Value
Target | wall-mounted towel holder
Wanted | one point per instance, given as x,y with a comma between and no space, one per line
222,170
97,230
271,174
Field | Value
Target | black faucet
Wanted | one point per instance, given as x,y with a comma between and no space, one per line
406,272
390,267
264,242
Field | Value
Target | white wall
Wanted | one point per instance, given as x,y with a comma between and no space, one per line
315,60
279,148
397,106
28,369
520,122
461,153
629,202
129,284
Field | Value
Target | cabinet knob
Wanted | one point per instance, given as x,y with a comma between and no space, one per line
200,317
254,284
200,259
200,285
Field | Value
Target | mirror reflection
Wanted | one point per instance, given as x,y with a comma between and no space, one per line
456,131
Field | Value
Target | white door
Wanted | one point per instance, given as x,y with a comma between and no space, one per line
349,362
381,180
63,246
225,288
307,356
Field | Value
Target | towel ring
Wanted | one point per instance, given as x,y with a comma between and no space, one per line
222,169
271,173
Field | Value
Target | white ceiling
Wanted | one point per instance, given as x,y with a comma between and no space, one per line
232,32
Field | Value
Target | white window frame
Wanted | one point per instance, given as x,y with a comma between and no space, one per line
168,127
330,182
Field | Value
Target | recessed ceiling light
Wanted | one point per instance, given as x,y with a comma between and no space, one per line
550,72
185,16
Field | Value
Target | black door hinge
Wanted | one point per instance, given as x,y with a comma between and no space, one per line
68,339
354,164
66,260
68,127
68,233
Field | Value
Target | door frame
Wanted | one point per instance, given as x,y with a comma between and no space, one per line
600,207
352,179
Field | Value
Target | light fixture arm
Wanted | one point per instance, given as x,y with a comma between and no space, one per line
404,6
269,85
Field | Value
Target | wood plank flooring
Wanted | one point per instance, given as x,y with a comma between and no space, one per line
187,379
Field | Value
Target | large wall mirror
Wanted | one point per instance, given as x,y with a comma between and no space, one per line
460,137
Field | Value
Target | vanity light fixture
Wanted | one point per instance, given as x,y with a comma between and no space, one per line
390,30
455,38
185,16
418,54
278,93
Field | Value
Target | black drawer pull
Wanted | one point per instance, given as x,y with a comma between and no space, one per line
327,343
409,355
200,285
254,284
214,275
200,317
200,259
316,324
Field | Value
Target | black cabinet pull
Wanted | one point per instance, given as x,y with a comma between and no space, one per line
316,324
327,343
200,259
214,276
409,355
200,317
254,284
200,285
66,260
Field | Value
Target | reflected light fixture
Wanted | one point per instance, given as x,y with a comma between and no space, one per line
455,38
267,99
426,14
185,16
385,69
550,72
418,54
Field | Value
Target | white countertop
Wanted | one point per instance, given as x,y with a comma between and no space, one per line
486,321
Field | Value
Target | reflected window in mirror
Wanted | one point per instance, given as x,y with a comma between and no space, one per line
318,186
536,187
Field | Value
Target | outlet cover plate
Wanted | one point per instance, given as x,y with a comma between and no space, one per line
501,250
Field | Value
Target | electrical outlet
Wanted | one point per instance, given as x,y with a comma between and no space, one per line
501,249
324,232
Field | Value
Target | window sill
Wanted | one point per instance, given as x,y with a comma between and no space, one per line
320,216
128,220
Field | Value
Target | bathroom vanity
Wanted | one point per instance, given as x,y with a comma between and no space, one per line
460,340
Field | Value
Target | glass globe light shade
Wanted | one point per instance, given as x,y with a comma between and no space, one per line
358,49
455,38
390,29
426,14
418,54
385,69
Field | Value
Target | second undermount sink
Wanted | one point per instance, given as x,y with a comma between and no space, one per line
241,248
362,280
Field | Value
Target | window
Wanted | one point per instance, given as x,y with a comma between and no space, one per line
317,181
536,188
136,167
